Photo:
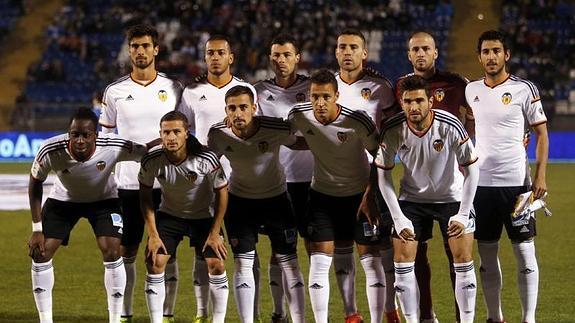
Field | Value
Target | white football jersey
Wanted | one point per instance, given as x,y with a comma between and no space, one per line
341,167
135,111
276,101
86,181
372,93
187,188
256,170
431,160
501,115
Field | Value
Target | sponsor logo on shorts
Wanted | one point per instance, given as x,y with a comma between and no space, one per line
438,145
270,98
203,98
117,220
163,95
290,235
439,94
366,93
506,98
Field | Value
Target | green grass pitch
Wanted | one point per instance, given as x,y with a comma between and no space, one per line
79,290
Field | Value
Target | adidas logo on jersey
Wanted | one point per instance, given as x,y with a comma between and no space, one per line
130,98
203,98
403,147
270,98
476,99
524,229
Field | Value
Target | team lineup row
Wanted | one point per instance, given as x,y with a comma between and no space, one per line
303,155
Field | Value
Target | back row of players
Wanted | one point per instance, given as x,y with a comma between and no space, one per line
341,206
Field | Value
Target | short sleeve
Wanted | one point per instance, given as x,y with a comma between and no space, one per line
133,152
109,111
465,152
148,170
533,109
387,151
41,167
218,177
186,108
213,142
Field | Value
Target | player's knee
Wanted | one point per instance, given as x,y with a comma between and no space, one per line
129,251
111,254
215,266
37,256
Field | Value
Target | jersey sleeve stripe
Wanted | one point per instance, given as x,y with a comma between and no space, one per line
538,123
363,119
469,162
45,152
210,157
106,125
220,187
532,87
151,155
452,121
120,80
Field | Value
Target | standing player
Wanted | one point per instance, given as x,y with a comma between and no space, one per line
432,145
448,90
277,96
258,198
132,106
190,177
203,104
364,89
503,104
338,138
84,187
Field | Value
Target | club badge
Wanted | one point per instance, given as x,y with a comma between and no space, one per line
342,136
439,94
506,98
162,95
263,146
191,176
438,145
366,93
300,98
101,165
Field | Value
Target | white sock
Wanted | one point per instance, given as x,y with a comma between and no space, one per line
115,283
491,279
219,291
201,286
130,267
407,290
465,290
155,290
374,286
244,285
344,265
389,269
172,273
276,288
42,285
293,285
319,285
257,274
527,278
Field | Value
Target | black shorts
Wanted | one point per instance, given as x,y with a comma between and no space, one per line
244,217
173,229
59,217
422,216
334,218
133,218
299,196
494,207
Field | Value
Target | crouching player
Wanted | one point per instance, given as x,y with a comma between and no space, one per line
190,177
83,163
432,146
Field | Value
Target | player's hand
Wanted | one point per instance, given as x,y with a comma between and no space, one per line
455,229
36,244
539,188
155,245
369,208
216,242
407,235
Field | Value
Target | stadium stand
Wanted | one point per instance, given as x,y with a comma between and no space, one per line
11,10
84,49
542,42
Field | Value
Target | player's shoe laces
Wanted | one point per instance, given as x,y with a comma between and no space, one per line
201,319
278,318
392,317
168,319
354,318
126,319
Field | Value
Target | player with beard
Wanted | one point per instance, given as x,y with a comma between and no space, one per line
132,107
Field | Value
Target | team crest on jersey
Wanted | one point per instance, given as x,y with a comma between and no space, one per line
439,94
366,93
162,95
263,146
342,136
506,98
191,176
300,97
438,145
101,165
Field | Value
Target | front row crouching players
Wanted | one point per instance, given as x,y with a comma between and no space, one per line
258,198
83,163
433,146
190,177
338,138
